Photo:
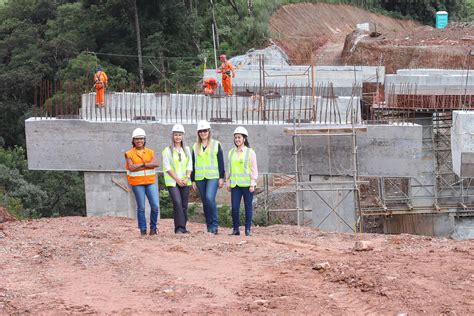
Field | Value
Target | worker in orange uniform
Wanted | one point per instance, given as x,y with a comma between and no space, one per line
100,83
210,86
228,72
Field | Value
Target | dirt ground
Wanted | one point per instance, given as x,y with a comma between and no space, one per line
77,265
318,32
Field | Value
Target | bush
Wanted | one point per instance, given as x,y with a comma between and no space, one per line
33,194
166,206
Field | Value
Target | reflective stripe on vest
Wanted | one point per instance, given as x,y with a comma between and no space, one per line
169,181
239,170
205,163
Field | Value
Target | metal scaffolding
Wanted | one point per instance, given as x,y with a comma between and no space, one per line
327,191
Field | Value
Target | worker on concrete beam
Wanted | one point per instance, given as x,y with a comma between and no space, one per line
210,86
140,163
241,179
177,168
208,172
228,72
100,84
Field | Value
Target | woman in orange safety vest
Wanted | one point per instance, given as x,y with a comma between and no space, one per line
140,164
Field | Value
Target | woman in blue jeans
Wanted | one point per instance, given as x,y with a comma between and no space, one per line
140,164
208,173
242,175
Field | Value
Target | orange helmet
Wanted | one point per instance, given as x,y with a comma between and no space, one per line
223,56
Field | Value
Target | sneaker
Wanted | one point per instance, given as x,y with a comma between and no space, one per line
143,232
179,232
235,232
247,232
187,231
153,232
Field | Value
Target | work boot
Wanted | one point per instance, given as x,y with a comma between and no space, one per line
143,232
153,232
235,232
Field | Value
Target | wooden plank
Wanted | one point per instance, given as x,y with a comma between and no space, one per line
324,130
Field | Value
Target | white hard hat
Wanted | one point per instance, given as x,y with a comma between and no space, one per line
241,130
138,132
203,125
178,128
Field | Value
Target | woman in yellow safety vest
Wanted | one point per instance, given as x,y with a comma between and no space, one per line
242,178
140,164
208,173
177,168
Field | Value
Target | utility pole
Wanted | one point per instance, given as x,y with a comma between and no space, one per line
215,25
139,45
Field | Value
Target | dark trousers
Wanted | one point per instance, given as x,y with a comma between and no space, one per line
180,196
236,196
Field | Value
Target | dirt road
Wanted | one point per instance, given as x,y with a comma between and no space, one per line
101,265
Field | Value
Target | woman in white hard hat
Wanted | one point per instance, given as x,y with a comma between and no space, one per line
177,168
208,172
242,178
140,164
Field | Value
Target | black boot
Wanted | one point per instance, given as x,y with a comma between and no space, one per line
235,232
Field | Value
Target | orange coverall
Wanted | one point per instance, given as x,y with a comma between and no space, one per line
100,83
210,85
227,71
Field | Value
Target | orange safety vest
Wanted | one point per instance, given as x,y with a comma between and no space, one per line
142,177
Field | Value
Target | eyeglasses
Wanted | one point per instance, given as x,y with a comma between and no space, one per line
203,131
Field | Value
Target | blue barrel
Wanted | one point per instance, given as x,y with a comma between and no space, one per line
441,19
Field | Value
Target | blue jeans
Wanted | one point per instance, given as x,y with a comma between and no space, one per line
208,190
151,192
236,196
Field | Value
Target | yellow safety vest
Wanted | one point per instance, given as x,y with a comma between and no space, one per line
240,168
205,163
179,167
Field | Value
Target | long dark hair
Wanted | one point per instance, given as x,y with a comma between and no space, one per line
246,141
